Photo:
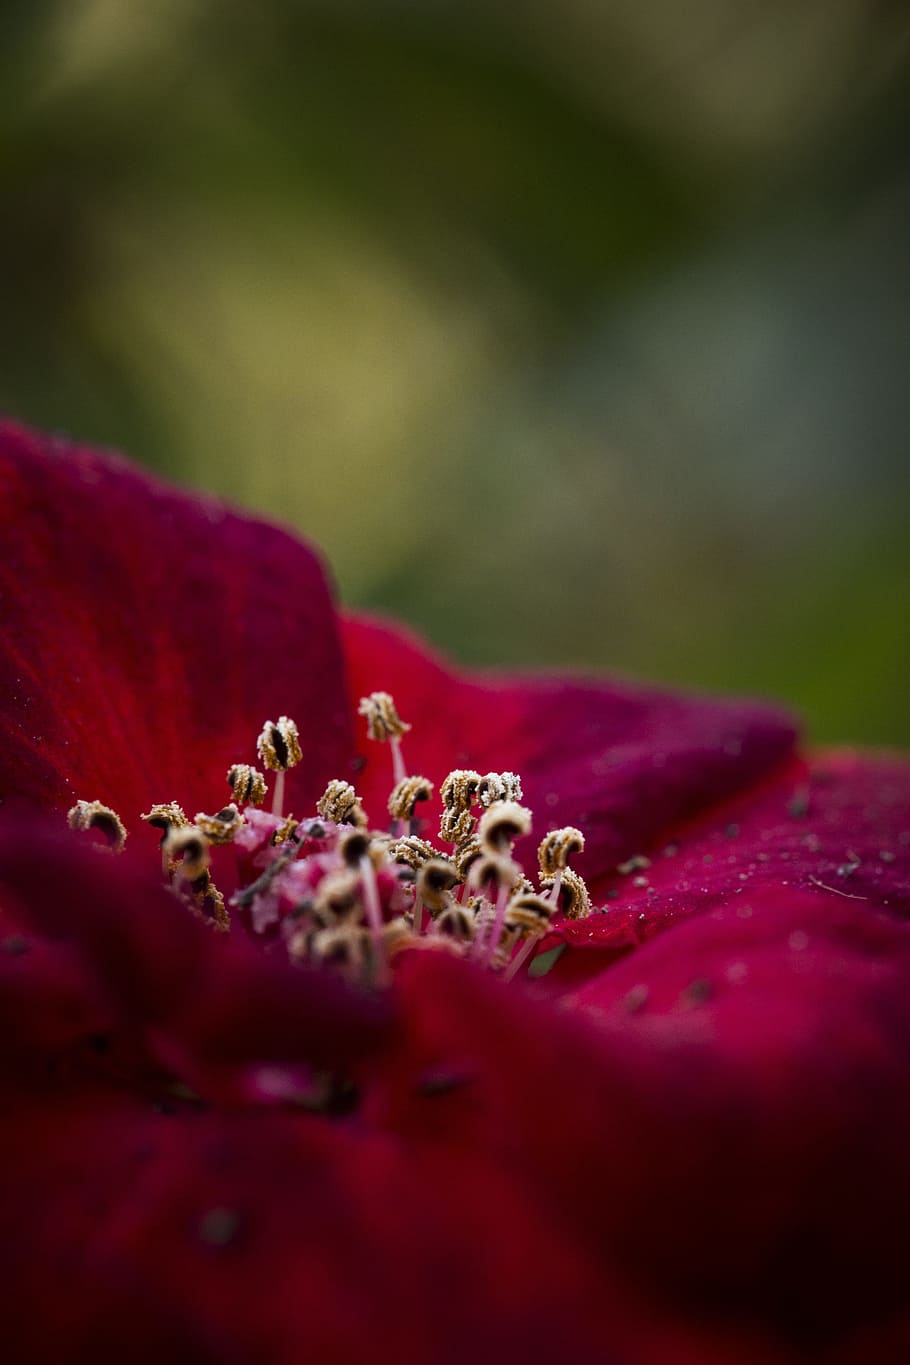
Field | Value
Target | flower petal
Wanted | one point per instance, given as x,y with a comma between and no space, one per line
147,636
838,824
619,761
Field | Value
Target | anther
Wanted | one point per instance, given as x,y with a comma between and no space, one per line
406,795
338,897
341,804
557,848
499,787
466,855
167,815
433,889
456,923
278,747
86,815
459,790
412,851
221,827
573,899
354,846
384,723
457,826
247,784
527,917
344,948
188,852
502,824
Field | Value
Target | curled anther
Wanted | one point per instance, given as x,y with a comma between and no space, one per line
338,898
383,721
573,897
459,790
493,871
557,847
278,745
86,815
411,851
499,787
209,902
456,923
167,815
397,937
341,804
502,824
346,947
466,855
435,881
457,826
247,784
357,844
221,827
406,795
528,913
187,851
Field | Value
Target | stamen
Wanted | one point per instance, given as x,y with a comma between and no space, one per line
557,848
86,815
574,900
499,787
220,828
187,849
412,851
278,747
341,804
528,916
247,784
384,723
433,888
406,795
502,824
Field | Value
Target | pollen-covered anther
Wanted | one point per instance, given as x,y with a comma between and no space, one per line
187,851
209,902
341,804
493,871
278,745
167,815
397,937
499,787
528,913
466,855
247,784
338,898
357,844
456,922
459,790
383,721
221,827
457,826
406,795
345,947
435,881
573,896
557,848
86,815
411,851
502,824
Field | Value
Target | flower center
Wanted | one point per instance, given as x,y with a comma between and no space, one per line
341,893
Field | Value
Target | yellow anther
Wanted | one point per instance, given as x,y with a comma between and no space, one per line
187,850
345,947
457,826
87,815
574,900
221,827
383,721
210,902
456,922
557,848
278,745
397,937
338,897
341,804
499,787
495,868
411,851
166,816
502,824
435,880
247,784
528,913
459,790
406,795
465,855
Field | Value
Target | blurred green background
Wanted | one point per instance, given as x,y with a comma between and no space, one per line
574,333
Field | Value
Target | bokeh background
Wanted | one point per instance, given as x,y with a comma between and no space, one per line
575,333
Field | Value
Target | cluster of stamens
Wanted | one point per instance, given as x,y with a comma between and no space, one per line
340,893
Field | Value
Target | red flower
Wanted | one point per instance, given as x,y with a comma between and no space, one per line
676,1147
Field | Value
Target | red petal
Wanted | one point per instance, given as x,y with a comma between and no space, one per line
722,1119
147,635
620,762
840,824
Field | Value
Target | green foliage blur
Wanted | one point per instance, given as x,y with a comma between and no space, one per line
574,333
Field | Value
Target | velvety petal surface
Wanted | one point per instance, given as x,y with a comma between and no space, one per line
147,636
622,762
836,824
